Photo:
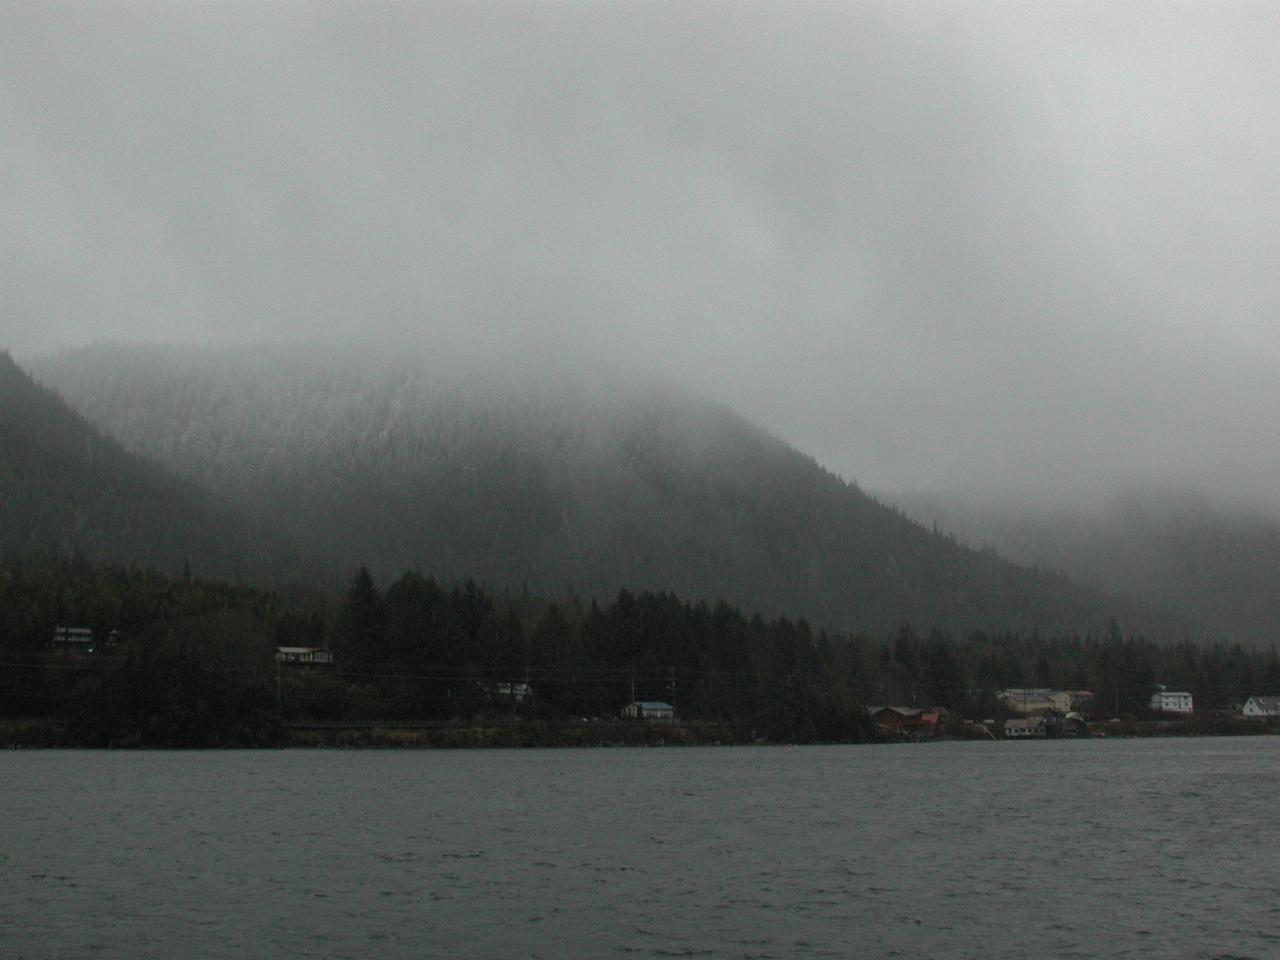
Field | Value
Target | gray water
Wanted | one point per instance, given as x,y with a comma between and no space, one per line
1162,848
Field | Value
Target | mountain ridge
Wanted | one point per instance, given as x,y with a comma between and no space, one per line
1172,547
553,483
65,487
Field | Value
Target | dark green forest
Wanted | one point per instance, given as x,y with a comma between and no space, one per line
193,663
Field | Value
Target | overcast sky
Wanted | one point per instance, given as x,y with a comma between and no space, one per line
1017,248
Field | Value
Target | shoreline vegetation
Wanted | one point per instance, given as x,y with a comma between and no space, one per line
46,733
107,656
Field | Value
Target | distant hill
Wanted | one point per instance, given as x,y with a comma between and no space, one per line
1218,567
66,488
554,482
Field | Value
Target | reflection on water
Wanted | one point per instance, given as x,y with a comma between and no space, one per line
1167,848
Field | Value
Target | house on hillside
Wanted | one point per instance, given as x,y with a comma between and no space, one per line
1040,701
73,640
1028,702
507,690
649,710
1261,707
1171,701
303,655
1075,701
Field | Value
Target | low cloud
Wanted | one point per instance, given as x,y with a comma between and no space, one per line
1015,248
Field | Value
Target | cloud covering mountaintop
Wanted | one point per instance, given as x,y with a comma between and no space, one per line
1013,247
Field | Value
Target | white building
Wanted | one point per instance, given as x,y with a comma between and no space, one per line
1171,701
1262,707
1032,728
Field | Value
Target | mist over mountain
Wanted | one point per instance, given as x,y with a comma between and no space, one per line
1019,248
64,487
554,481
1219,566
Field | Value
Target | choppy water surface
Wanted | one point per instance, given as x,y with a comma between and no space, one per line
1165,848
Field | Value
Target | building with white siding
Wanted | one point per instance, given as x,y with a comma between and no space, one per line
1171,701
1262,707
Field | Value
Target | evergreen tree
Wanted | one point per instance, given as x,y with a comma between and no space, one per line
362,624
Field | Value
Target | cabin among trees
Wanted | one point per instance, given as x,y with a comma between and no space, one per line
73,640
307,655
82,640
649,710
507,691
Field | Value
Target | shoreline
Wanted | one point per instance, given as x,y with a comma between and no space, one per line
44,733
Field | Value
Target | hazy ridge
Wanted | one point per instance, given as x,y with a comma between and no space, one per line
1218,566
65,487
554,482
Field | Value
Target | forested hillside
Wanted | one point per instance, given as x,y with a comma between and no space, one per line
1220,568
192,662
65,487
553,482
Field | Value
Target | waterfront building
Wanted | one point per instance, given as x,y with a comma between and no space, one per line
1028,728
907,721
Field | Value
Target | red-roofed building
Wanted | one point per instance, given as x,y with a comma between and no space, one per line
907,721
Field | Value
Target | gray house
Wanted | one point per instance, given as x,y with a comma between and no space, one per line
649,710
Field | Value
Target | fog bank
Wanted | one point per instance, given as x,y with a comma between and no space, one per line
1022,249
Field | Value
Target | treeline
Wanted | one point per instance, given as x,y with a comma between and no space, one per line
195,663
188,665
